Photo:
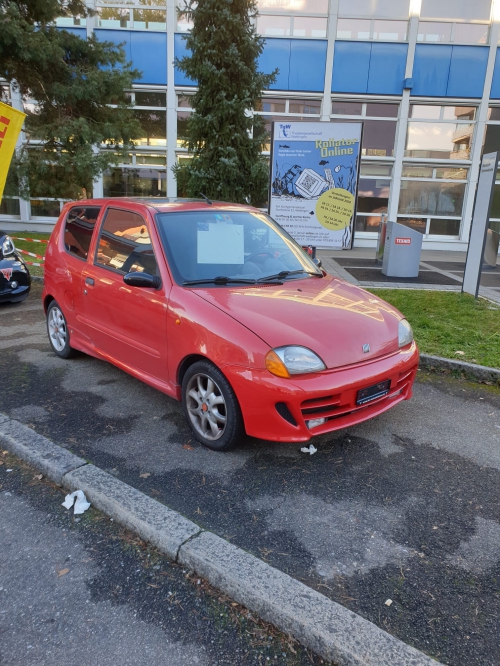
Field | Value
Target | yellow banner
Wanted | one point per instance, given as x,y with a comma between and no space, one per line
11,122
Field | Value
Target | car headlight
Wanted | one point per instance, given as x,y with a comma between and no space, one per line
8,246
293,360
405,333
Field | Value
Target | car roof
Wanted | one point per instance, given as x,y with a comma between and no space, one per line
167,204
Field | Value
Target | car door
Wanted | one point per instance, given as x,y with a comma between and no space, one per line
74,244
127,323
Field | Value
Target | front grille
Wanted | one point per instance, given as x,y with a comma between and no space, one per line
285,413
320,407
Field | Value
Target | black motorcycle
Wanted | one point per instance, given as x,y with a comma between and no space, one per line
15,279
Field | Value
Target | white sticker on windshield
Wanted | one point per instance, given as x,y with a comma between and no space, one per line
221,244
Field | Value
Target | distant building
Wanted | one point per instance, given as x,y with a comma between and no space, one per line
423,75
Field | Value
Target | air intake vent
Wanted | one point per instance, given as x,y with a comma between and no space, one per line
285,413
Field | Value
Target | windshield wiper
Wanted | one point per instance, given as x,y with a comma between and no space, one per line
222,279
285,274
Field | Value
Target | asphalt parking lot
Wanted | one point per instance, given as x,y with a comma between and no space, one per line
405,507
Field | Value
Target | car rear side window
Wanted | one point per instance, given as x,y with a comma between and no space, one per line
79,228
125,244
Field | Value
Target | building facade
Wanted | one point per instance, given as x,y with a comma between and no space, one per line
422,75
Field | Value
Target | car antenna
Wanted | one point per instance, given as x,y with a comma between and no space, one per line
206,198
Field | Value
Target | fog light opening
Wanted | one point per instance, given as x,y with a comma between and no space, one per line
314,423
14,285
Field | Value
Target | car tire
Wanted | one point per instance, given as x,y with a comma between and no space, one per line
211,407
57,329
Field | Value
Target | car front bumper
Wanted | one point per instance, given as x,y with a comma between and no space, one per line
278,409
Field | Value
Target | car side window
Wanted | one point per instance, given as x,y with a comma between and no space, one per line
125,245
79,228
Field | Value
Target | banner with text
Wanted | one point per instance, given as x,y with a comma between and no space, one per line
314,180
11,122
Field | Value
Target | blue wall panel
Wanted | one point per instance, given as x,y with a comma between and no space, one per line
387,68
146,50
449,71
495,84
276,54
80,32
467,71
431,70
307,65
180,51
351,64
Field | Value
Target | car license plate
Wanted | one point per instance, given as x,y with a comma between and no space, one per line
373,392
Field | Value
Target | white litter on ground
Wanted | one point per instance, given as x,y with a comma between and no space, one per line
388,602
78,497
309,449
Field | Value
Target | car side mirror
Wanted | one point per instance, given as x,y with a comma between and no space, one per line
318,262
137,279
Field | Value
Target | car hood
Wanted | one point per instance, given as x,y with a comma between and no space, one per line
327,315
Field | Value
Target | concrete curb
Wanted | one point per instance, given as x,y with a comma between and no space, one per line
332,631
481,372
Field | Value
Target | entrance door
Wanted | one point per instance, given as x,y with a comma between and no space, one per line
126,323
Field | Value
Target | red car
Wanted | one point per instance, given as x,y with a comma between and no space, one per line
217,306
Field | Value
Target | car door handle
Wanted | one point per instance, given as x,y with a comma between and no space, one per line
89,280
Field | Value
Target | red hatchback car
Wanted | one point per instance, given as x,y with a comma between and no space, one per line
217,306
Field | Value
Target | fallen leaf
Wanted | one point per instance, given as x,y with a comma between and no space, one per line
144,475
460,353
151,585
38,476
2,462
187,447
62,572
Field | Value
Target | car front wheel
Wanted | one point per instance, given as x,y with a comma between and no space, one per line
58,331
211,407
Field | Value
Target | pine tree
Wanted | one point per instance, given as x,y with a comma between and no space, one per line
72,82
227,163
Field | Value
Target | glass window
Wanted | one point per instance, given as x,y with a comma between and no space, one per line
434,32
353,29
382,8
150,19
184,24
479,10
274,26
291,6
378,138
427,112
9,206
307,107
494,113
307,26
450,173
442,227
470,33
390,31
368,222
459,112
341,108
159,160
79,228
438,140
431,198
124,243
373,195
44,208
134,183
382,110
415,223
416,171
491,138
371,169
113,18
70,21
495,204
182,128
207,244
154,125
269,105
185,101
150,99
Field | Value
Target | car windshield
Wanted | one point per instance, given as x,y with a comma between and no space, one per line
226,247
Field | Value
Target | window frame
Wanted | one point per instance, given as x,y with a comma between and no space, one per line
96,226
116,271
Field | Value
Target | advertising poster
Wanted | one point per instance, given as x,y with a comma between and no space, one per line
314,180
